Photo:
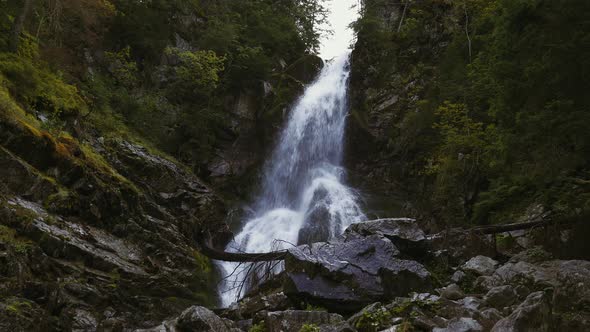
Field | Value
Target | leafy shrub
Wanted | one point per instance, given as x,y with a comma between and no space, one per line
122,67
37,88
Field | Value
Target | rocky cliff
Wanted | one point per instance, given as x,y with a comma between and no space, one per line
97,233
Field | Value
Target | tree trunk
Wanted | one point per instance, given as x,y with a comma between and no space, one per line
17,26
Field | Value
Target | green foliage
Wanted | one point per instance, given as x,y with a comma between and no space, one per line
309,328
373,321
8,236
122,67
311,307
197,73
257,327
501,92
203,262
18,307
39,89
163,71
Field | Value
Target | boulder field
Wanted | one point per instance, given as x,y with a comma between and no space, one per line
387,275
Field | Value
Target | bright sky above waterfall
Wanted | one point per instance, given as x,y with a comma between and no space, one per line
342,13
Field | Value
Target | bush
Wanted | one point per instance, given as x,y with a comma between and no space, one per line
37,88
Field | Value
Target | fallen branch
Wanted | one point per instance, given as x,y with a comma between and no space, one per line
220,255
212,253
494,229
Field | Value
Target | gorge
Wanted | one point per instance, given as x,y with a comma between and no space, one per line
303,199
433,178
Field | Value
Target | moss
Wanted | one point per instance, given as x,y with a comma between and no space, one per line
99,163
310,328
39,89
505,241
468,283
18,306
311,307
258,328
405,326
9,236
203,262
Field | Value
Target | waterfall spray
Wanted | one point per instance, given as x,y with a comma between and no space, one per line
303,197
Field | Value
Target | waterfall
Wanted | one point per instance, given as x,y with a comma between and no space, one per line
303,196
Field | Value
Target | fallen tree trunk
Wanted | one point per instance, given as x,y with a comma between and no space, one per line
495,229
216,254
238,257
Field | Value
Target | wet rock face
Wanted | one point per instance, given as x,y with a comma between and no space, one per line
353,271
111,221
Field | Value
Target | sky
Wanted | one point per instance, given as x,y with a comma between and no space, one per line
341,15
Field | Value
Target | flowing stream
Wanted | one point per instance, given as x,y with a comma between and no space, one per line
303,196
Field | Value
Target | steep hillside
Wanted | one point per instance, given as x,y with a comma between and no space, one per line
475,112
126,130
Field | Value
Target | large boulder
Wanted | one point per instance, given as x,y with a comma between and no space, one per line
200,319
403,232
195,319
349,274
534,314
501,296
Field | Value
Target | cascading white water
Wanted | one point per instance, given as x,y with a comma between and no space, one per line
303,197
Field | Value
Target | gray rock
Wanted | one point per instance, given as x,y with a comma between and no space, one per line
83,320
452,292
487,282
481,265
463,324
471,303
522,291
349,275
501,296
533,315
202,319
249,306
574,284
403,232
532,255
464,245
458,276
426,323
293,320
489,317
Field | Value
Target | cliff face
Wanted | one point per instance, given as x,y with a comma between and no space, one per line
393,67
100,233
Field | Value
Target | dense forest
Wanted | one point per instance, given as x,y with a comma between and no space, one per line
490,106
159,70
437,178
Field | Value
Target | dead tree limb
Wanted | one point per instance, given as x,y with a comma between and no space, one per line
279,255
220,255
401,20
494,229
